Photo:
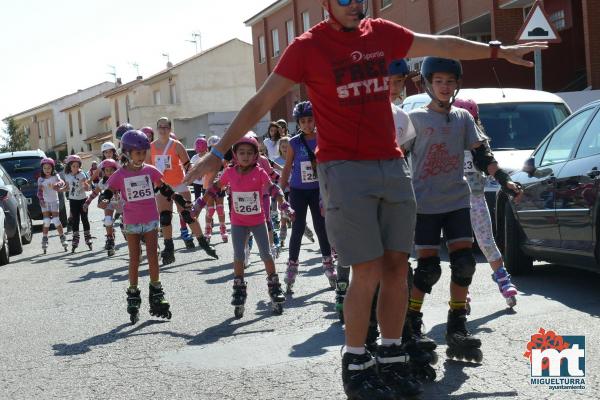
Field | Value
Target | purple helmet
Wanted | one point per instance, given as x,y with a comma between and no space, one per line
134,140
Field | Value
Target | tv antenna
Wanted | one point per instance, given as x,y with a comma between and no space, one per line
197,40
136,66
113,72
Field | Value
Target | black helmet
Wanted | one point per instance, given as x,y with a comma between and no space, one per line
122,129
431,65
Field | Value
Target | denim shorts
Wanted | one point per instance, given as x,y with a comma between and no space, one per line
140,229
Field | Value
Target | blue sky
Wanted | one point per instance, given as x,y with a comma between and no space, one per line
52,48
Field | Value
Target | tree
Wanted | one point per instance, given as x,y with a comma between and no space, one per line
14,137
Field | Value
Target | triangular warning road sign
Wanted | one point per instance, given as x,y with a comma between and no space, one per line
537,27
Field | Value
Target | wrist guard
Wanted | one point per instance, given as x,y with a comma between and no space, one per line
106,195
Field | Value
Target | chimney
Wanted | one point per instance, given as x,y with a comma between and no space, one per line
119,82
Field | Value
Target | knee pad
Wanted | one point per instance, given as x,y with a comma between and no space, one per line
46,222
210,212
165,218
462,264
187,217
427,273
55,221
220,210
108,221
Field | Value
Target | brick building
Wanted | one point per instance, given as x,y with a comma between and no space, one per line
573,64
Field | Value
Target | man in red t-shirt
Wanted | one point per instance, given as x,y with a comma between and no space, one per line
343,63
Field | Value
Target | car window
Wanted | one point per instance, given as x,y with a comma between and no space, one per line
520,126
540,153
5,179
590,144
564,139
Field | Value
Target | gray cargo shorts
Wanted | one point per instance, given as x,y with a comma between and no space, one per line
370,207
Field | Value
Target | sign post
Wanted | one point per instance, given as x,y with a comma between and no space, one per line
537,27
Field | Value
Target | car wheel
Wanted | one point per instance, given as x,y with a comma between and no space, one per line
28,234
515,260
4,257
15,246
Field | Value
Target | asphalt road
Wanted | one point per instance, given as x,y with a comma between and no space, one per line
65,333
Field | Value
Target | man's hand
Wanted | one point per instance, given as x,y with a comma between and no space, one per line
515,54
207,164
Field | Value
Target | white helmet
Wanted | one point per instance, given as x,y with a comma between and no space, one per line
107,146
213,140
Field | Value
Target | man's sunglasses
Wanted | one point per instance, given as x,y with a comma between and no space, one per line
345,3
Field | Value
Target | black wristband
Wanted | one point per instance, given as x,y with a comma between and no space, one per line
502,177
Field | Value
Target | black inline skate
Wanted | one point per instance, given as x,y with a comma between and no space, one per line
461,344
88,239
75,241
360,378
159,306
340,293
110,245
276,294
168,254
420,348
134,301
203,243
393,365
63,242
44,244
238,297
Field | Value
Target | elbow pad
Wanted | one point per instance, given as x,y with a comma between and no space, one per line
483,157
106,195
166,191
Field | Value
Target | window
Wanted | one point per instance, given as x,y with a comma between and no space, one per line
40,129
79,121
590,144
305,21
275,38
71,124
127,106
385,3
156,96
289,27
558,19
89,147
48,128
262,51
565,138
173,93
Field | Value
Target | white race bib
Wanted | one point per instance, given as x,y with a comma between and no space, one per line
162,162
307,173
246,203
138,188
469,167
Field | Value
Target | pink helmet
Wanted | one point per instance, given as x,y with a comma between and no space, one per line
109,163
469,105
149,132
48,161
201,145
246,139
73,158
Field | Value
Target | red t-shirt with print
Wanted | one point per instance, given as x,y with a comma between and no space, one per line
347,81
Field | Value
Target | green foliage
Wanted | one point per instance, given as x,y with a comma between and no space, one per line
14,137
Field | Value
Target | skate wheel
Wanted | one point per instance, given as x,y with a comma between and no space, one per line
238,311
278,308
169,315
289,290
134,318
511,301
474,355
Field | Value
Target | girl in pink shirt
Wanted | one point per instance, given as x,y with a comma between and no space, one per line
136,182
248,183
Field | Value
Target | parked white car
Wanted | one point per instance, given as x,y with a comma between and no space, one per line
4,256
516,120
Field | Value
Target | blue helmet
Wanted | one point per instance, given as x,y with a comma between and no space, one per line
398,67
303,109
431,65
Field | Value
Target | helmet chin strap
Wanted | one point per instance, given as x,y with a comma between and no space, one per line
361,16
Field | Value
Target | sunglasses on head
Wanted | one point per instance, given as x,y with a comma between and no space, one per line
345,3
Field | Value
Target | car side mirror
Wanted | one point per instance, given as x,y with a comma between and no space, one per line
20,182
529,166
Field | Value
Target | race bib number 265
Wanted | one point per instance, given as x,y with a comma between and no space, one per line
138,188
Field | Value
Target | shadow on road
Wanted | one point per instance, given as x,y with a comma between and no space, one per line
316,345
120,332
228,328
575,288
